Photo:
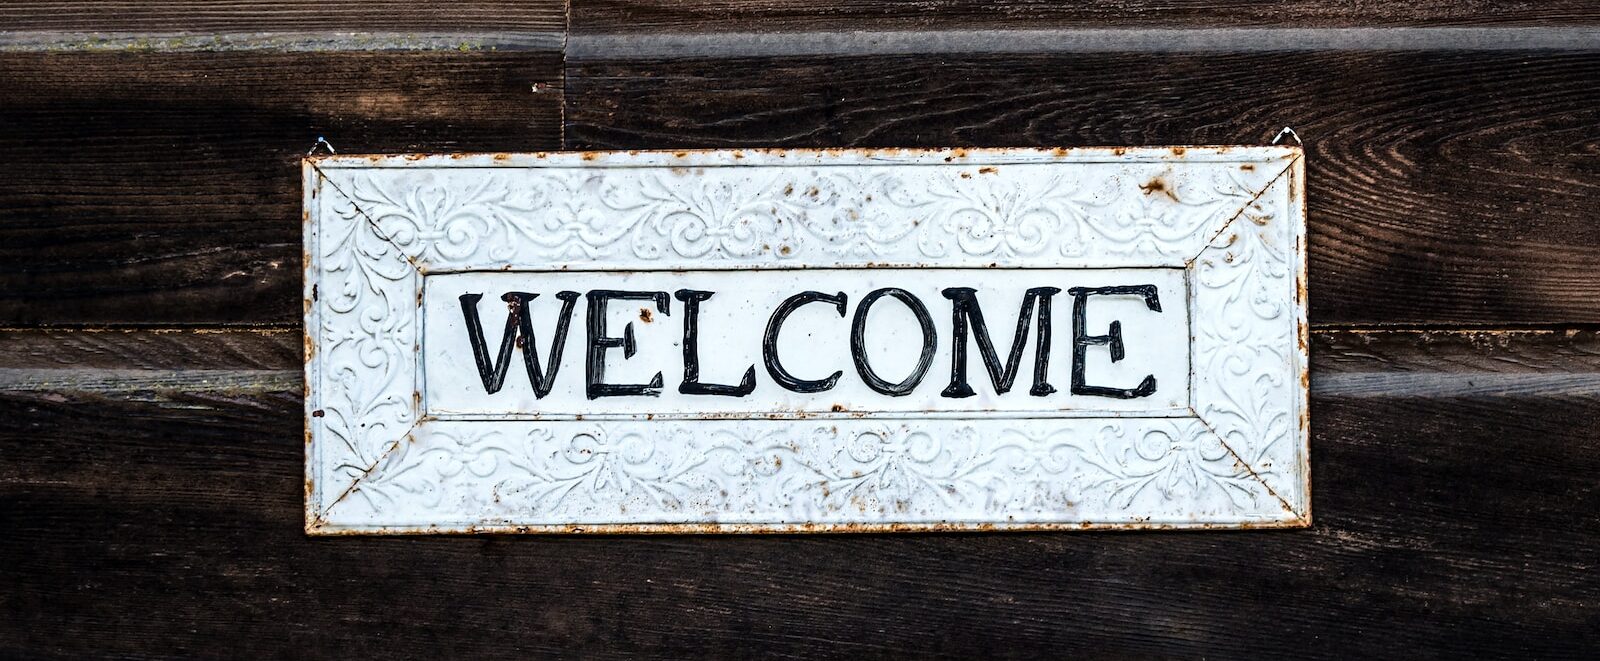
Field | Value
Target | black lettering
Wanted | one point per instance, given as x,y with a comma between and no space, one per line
520,321
858,340
769,342
599,343
691,384
964,306
1081,340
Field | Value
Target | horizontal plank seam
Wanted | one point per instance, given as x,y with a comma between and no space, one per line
631,45
180,42
627,45
1561,327
124,381
1464,383
201,328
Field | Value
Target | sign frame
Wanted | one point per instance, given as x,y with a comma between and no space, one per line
1232,217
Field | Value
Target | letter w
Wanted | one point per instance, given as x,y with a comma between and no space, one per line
518,334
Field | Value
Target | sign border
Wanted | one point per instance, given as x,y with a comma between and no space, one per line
1234,217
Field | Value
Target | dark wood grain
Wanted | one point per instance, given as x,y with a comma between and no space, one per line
1444,188
165,188
1549,352
1446,526
205,16
771,16
151,349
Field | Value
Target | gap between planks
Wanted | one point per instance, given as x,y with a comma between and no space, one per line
599,46
630,45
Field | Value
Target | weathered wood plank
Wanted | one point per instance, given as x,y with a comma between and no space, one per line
315,16
1445,188
1456,524
767,16
1466,352
1064,41
151,349
165,188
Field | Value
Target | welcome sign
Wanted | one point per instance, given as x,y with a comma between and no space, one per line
730,341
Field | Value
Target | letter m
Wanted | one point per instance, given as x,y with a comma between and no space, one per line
964,305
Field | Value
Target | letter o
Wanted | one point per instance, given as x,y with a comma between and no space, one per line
858,336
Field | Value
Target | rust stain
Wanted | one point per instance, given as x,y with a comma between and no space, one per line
1157,185
646,316
1179,151
988,170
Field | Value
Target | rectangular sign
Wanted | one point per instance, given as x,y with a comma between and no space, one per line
796,343
728,341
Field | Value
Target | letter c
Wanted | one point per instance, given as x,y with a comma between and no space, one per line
769,342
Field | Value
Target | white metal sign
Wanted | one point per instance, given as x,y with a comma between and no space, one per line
806,341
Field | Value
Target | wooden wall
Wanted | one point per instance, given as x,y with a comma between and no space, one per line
150,388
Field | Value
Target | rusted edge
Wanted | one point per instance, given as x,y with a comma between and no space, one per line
789,528
310,178
1298,204
951,154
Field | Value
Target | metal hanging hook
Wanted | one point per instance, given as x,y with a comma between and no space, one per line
321,142
1289,132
